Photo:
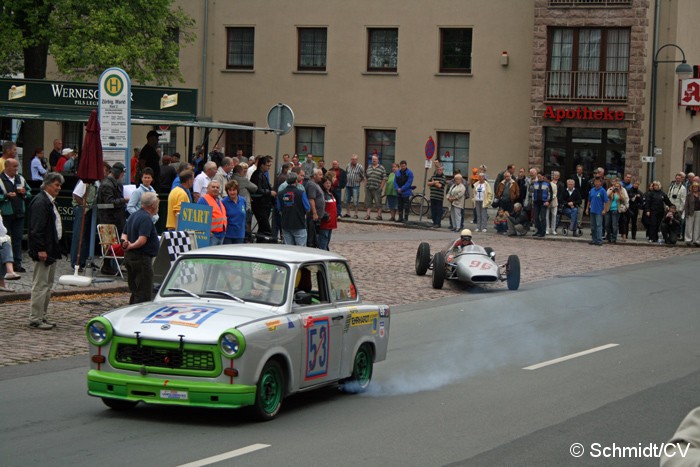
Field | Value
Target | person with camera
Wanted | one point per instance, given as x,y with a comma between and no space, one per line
677,193
619,203
671,225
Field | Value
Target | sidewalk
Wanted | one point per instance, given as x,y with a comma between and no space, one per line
111,284
22,288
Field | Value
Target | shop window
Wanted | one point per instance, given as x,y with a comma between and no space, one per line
312,49
453,152
455,50
240,48
73,135
565,148
383,144
310,140
588,64
383,49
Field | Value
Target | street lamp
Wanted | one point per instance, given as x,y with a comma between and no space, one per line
683,70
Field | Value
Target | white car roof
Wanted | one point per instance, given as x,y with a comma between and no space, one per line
284,253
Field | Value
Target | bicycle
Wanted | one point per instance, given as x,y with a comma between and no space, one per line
421,203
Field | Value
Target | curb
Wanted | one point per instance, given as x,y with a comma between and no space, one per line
26,296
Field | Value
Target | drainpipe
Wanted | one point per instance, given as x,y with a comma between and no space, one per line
652,120
204,59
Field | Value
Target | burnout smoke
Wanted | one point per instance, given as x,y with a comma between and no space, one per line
456,357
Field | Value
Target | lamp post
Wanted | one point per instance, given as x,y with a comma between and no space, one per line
683,70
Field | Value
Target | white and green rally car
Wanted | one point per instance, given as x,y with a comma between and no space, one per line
239,325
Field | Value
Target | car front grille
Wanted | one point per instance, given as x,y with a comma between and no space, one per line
161,357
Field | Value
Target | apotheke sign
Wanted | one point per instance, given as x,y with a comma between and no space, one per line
584,113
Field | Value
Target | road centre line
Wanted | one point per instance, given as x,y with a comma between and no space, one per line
226,455
569,357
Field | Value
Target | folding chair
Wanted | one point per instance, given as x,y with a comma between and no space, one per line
108,238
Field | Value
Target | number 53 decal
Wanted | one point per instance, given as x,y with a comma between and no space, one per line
317,348
480,264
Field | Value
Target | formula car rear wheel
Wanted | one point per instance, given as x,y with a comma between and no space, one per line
513,272
438,270
422,259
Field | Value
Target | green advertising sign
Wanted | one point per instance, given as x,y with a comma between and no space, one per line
63,100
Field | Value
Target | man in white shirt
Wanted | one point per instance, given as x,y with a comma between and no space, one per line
201,181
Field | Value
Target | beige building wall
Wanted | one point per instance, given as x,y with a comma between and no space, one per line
491,104
674,125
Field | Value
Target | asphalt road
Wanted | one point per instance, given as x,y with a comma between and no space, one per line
453,391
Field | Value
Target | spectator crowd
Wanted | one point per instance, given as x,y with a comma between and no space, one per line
299,203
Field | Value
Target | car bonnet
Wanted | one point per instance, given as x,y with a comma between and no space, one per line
199,322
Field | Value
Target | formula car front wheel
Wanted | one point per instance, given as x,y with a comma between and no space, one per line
438,270
513,272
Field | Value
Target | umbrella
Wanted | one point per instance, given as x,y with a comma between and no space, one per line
89,171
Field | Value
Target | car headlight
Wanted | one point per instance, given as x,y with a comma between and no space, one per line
232,343
99,331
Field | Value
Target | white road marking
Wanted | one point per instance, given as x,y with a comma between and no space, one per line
226,455
569,357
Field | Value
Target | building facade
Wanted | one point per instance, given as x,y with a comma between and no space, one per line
544,83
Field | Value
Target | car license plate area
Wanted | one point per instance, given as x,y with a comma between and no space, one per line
173,394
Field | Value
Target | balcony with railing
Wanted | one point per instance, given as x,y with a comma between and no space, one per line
589,3
587,86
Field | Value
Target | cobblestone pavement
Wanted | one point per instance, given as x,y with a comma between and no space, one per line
382,256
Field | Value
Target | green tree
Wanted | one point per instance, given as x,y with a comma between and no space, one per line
85,37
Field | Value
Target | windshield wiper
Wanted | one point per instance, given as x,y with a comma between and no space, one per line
222,292
177,289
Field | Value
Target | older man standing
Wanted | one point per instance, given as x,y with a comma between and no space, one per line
201,181
356,175
218,214
45,232
309,165
9,151
223,173
140,244
14,192
55,153
376,179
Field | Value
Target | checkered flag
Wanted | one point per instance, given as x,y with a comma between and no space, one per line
179,243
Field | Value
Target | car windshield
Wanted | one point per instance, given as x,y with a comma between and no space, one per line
249,280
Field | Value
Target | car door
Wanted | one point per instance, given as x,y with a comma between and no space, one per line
322,322
362,322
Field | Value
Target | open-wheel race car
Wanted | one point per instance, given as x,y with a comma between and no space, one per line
470,263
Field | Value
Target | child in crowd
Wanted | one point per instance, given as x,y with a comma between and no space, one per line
501,222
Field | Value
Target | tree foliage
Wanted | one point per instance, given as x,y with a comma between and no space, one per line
85,37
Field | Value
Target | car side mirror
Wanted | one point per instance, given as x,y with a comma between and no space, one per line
302,298
492,254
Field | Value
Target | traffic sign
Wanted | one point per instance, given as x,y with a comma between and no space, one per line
648,159
280,119
429,148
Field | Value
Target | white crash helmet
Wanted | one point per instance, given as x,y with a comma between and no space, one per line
466,234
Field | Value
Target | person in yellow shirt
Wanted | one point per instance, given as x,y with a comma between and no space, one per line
178,195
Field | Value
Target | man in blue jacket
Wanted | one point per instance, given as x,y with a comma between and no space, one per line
541,197
403,182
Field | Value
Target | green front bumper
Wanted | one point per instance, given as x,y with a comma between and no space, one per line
150,390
